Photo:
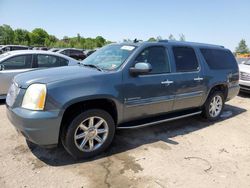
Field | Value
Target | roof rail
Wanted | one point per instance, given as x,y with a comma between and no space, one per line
163,40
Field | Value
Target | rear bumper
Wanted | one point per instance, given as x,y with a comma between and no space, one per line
233,91
39,127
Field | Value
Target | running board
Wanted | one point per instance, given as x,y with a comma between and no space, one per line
160,121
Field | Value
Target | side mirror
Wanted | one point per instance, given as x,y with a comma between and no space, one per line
1,67
141,68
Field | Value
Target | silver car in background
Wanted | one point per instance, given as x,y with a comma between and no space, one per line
15,62
244,81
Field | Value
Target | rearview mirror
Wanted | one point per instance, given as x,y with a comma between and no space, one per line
141,68
1,67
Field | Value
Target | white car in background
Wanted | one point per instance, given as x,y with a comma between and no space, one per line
15,62
244,81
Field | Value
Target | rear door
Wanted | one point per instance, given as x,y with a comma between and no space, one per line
189,81
49,61
12,67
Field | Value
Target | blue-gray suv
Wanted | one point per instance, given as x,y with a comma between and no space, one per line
126,85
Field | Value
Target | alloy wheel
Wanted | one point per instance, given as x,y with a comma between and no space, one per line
91,134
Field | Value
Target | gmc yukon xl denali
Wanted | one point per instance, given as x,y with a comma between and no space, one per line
120,86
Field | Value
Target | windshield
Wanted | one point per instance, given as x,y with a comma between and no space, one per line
110,57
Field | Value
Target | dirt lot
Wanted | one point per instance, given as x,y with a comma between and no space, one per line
184,153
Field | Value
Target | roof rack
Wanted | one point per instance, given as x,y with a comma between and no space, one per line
163,40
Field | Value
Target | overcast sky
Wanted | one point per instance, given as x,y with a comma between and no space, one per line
223,22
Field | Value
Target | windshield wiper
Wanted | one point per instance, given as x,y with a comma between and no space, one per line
92,66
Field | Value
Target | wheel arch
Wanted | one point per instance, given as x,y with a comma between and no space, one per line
223,87
75,107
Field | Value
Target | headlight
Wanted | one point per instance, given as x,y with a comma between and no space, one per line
35,96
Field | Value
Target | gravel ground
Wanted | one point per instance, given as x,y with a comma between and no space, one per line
184,153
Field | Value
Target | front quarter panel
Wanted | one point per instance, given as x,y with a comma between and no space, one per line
62,94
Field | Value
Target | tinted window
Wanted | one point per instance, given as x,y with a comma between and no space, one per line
18,62
63,62
157,57
75,52
219,59
47,61
65,52
18,48
185,59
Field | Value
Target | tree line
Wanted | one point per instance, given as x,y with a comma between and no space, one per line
40,37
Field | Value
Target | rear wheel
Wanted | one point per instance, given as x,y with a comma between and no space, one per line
214,106
89,134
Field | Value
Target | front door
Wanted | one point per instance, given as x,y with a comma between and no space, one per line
189,83
12,67
150,94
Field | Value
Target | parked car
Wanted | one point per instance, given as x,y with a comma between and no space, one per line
245,76
121,86
242,60
54,49
89,52
40,48
13,63
8,48
74,53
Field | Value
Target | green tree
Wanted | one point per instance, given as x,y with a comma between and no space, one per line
21,36
100,41
39,36
171,37
152,39
242,47
6,35
182,37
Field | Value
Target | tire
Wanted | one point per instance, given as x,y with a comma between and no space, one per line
209,111
83,139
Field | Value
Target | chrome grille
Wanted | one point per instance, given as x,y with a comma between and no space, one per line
244,76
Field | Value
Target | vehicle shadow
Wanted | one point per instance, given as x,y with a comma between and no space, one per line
133,138
244,94
2,102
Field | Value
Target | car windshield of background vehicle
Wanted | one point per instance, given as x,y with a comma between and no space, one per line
110,57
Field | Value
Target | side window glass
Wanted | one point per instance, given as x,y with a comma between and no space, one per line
157,57
185,59
219,59
18,62
47,61
63,62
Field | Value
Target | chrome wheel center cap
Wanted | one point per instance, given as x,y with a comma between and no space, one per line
92,133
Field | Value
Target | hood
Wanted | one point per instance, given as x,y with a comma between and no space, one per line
46,76
244,68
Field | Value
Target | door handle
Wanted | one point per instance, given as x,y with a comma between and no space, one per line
198,79
167,82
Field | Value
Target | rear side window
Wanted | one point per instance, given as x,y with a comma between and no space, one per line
47,61
63,62
185,59
219,59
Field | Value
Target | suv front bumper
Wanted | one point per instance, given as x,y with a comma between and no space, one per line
39,127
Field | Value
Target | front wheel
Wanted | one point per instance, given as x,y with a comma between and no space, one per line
89,134
214,106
